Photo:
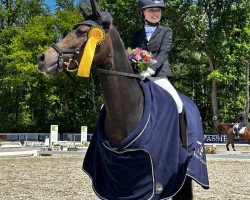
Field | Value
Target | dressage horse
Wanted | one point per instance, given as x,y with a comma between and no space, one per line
227,128
122,160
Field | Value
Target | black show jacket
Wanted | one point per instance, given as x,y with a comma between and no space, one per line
159,45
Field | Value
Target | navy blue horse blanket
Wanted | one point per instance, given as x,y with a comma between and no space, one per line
151,162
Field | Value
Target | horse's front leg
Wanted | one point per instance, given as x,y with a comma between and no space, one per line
232,143
186,192
227,145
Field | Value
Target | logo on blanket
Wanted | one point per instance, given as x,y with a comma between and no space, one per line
199,152
158,188
200,149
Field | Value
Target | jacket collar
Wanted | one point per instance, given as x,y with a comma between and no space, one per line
157,30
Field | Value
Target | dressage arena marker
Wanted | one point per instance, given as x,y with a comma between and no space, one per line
84,133
53,134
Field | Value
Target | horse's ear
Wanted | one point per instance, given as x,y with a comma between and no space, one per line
103,18
85,13
106,20
95,9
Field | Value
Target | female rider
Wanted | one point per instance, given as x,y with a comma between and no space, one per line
158,40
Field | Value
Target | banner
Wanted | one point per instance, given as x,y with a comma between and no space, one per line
215,138
53,134
84,131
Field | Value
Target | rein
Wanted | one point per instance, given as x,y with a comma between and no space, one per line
103,71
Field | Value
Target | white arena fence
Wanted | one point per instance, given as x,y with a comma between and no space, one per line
70,140
41,136
208,138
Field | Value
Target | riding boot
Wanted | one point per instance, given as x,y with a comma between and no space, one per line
237,133
183,128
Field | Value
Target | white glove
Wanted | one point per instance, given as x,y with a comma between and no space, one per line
148,72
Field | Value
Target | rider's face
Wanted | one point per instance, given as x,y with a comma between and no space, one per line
152,15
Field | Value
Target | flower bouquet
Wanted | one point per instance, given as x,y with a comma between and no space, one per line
140,59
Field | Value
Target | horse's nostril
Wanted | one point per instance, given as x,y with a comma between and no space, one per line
41,58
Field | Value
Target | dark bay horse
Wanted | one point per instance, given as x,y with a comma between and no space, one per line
227,128
124,112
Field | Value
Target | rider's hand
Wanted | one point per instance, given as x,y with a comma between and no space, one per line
148,72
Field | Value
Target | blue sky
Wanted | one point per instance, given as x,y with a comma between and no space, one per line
51,4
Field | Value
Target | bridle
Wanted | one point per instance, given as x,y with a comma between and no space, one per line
61,61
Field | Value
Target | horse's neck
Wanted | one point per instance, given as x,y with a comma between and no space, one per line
123,99
124,107
227,127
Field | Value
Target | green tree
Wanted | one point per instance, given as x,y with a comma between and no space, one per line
30,101
210,48
211,45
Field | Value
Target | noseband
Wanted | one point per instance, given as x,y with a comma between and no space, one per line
62,60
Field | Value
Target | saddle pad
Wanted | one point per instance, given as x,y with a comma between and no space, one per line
150,163
242,130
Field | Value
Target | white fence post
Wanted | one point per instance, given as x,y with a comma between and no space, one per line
84,131
53,134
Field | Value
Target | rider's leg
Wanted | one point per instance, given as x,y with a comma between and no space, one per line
166,85
237,132
240,127
236,129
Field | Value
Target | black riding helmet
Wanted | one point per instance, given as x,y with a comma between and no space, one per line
142,4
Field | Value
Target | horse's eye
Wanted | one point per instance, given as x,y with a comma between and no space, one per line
80,32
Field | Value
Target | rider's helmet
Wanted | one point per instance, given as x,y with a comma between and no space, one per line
142,4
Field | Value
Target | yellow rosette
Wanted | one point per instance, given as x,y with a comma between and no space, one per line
95,36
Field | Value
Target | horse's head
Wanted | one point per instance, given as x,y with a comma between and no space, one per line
219,129
66,54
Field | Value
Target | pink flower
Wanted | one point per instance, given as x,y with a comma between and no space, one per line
140,59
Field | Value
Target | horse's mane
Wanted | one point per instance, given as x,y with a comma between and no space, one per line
118,43
226,124
118,46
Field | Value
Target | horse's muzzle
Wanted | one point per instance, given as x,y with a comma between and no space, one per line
48,67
